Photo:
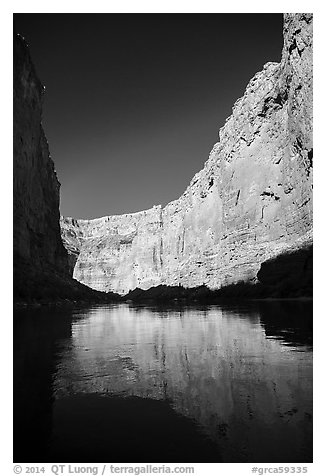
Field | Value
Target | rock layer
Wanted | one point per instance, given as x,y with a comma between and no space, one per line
251,202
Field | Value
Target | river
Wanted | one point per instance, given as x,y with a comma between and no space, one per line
131,383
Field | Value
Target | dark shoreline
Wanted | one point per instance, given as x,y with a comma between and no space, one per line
62,303
287,277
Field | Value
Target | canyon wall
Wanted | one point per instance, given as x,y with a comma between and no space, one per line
37,240
40,261
117,252
251,202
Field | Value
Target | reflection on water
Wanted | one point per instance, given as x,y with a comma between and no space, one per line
142,384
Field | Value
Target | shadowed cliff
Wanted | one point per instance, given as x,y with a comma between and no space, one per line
41,270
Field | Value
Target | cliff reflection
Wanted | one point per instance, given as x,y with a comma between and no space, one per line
218,383
249,393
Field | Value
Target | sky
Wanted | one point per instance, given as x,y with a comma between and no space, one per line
134,102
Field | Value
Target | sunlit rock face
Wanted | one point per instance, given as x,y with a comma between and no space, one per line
251,201
117,252
37,240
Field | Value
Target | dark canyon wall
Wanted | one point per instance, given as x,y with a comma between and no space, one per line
36,187
41,269
37,242
250,203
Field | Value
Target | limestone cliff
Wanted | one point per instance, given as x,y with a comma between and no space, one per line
252,201
117,252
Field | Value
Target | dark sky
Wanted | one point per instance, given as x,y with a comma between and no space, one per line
134,102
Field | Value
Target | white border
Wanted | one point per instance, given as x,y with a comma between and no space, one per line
176,6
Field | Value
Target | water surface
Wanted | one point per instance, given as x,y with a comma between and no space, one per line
129,383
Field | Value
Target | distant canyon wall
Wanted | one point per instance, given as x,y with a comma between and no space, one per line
252,200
